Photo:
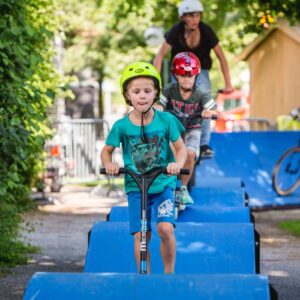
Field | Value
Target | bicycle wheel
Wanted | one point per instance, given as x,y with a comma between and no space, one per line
286,173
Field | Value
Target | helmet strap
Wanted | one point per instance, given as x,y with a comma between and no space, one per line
143,134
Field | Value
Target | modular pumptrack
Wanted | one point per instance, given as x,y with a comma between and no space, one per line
217,245
251,156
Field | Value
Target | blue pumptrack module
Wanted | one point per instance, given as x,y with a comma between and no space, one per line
217,247
201,214
250,156
109,286
201,248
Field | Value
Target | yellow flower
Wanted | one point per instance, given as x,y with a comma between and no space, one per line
270,19
263,19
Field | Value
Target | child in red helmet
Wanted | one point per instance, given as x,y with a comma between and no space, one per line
190,105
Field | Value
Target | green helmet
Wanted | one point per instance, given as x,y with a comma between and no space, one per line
140,69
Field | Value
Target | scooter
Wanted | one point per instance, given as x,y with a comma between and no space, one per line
144,182
185,118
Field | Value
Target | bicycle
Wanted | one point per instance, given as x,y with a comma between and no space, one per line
286,172
144,182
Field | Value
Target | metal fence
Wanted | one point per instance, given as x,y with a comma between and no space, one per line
81,141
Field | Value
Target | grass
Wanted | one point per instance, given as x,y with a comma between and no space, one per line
292,226
119,182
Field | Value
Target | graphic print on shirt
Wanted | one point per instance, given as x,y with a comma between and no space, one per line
187,108
165,209
190,110
146,156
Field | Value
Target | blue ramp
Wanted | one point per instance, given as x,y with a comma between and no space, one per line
224,214
218,197
118,214
250,156
201,248
88,286
220,182
194,213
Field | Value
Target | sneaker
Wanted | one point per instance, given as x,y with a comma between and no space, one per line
206,151
185,196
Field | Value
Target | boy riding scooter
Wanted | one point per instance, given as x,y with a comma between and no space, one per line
190,105
145,135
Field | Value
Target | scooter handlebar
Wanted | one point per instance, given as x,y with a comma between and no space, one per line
121,171
184,172
124,170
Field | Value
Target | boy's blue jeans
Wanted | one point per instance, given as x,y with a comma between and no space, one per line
202,81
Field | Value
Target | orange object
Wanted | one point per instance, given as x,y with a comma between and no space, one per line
233,106
55,151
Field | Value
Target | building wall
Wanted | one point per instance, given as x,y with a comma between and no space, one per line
274,76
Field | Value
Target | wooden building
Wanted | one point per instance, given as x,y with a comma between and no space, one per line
274,63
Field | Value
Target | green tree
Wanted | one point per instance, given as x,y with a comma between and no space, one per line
114,29
28,86
255,14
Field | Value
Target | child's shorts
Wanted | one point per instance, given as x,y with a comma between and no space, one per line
192,140
162,205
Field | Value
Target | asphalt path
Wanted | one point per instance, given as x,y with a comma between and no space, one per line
62,225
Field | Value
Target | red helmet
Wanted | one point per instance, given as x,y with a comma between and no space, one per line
186,63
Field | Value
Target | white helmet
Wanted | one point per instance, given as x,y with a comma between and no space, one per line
188,6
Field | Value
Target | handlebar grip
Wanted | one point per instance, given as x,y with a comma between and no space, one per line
121,171
214,117
184,172
224,91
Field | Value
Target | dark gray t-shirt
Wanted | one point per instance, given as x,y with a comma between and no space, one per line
187,111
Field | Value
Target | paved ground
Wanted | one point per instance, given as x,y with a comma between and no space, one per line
62,228
280,255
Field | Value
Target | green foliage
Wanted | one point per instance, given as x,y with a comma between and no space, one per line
292,226
28,85
253,12
13,251
104,35
109,34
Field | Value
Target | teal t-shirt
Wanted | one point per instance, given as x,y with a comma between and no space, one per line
141,157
